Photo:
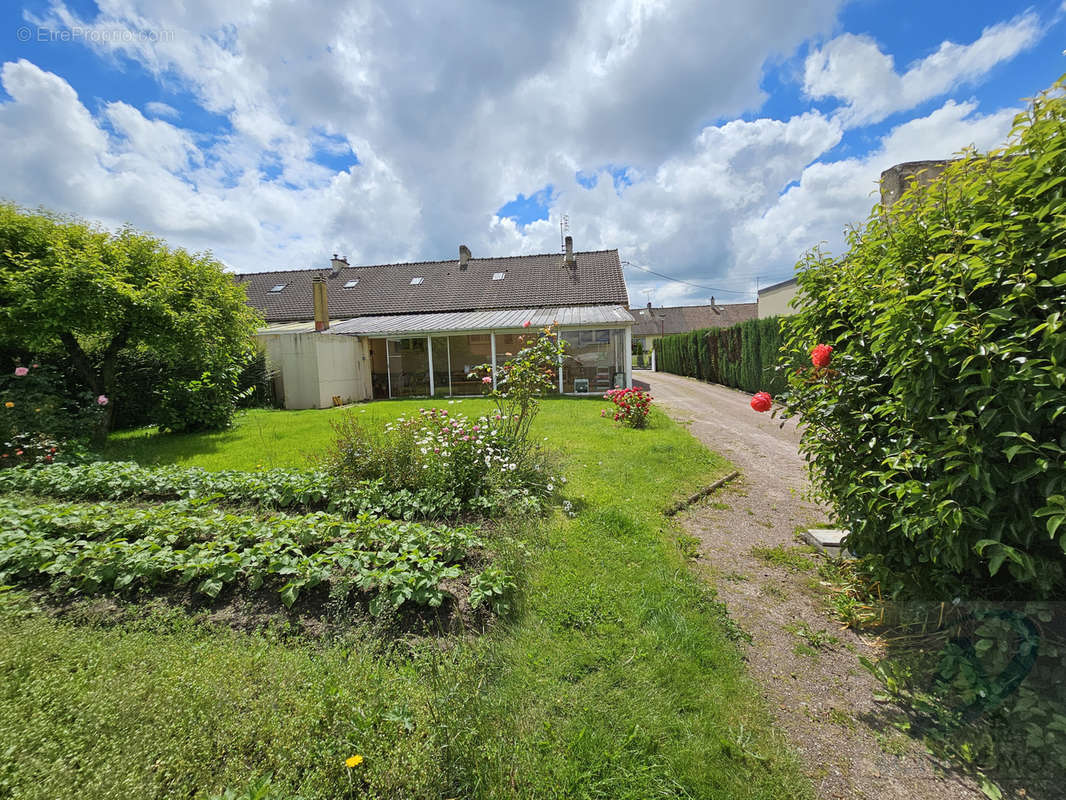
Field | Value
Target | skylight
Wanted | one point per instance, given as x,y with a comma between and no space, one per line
351,284
278,287
416,281
499,276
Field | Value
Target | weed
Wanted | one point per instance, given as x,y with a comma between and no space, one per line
792,559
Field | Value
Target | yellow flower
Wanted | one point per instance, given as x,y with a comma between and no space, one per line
9,404
354,761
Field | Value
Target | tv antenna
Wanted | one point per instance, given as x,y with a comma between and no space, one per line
564,228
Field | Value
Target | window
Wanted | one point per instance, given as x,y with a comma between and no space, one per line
351,284
416,281
499,276
278,287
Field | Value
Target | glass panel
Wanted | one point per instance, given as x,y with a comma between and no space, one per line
379,373
409,367
594,360
440,366
467,352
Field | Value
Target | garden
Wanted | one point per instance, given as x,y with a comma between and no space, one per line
478,598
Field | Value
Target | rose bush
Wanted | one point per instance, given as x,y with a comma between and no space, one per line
632,407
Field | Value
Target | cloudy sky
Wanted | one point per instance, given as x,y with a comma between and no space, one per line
711,142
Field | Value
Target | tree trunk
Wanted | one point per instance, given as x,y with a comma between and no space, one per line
101,382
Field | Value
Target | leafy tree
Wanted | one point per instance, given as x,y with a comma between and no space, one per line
66,284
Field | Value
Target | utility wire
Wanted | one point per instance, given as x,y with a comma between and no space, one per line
678,280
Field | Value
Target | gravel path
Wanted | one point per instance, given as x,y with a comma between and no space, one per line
815,685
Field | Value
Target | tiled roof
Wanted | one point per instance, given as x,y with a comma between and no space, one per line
529,281
678,319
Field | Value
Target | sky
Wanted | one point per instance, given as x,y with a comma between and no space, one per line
711,143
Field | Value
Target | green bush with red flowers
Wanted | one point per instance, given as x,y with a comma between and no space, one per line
631,407
936,424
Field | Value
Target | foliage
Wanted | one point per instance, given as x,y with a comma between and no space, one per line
633,407
204,403
494,587
521,379
743,356
291,490
38,423
937,433
108,546
477,461
65,284
982,685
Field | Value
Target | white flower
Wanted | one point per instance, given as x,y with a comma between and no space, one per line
551,488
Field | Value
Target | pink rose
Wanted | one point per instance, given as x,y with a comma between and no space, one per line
486,379
102,400
21,371
525,324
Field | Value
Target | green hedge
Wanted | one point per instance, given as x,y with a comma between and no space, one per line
742,356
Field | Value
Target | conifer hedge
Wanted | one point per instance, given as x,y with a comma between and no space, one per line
742,356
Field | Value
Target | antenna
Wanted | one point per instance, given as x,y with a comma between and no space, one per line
564,228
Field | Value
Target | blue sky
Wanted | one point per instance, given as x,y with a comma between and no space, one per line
714,143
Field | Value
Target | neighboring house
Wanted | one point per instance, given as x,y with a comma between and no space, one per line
654,323
774,300
409,330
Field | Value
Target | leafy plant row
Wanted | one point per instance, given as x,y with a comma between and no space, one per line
299,491
742,356
110,546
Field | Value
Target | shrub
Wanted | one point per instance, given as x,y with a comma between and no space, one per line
39,421
743,356
475,461
204,403
937,433
632,407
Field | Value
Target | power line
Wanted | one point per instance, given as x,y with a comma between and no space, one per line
679,280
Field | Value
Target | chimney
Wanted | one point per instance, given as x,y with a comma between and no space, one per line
571,259
464,256
336,265
318,289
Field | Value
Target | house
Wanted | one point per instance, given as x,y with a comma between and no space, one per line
774,300
654,323
354,333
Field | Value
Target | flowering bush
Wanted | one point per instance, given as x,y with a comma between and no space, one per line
632,407
38,423
475,461
531,372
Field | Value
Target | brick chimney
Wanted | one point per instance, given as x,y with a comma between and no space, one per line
318,289
571,259
464,256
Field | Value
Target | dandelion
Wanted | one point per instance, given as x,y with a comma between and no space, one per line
353,761
9,404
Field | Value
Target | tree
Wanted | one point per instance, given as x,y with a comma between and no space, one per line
66,284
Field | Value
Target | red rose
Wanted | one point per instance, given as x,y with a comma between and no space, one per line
820,355
762,402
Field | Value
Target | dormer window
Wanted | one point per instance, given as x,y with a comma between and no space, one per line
278,287
499,276
416,281
351,284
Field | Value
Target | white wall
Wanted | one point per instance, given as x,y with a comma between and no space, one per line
775,301
343,369
315,367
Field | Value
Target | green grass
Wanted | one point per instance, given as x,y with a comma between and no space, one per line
618,678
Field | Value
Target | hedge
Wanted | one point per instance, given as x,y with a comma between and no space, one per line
742,356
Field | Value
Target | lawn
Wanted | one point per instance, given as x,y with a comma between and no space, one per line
618,676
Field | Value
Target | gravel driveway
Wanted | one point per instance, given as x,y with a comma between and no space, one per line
805,664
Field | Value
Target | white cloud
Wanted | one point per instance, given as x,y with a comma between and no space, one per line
853,69
452,113
157,109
